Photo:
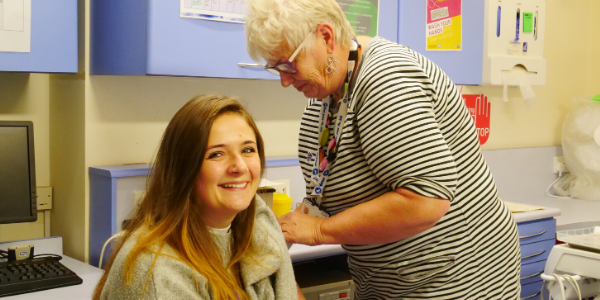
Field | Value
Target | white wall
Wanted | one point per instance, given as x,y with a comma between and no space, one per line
126,115
593,48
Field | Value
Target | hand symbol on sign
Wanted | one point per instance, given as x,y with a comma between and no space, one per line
482,118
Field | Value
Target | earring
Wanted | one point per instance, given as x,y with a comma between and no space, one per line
332,64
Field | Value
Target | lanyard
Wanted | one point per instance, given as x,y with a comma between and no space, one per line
320,172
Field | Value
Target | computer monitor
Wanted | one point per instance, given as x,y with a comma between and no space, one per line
18,199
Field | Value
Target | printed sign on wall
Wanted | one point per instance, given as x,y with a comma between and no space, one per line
479,108
444,25
363,15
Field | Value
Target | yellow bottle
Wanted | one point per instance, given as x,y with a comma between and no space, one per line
282,204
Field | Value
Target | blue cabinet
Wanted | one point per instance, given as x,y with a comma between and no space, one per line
463,67
149,38
114,192
112,199
53,40
537,238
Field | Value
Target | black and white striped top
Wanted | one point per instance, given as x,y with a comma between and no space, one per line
407,126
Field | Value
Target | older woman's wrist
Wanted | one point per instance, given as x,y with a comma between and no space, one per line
322,234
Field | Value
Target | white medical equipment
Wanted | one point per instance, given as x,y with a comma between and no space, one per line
573,270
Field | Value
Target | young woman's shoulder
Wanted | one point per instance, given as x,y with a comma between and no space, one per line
170,278
266,225
269,264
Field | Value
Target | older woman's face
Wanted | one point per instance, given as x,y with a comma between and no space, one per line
312,79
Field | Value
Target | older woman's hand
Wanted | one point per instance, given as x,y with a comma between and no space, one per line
301,228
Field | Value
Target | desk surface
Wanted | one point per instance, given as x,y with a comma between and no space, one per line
89,274
302,252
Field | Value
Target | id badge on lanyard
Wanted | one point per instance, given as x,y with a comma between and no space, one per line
311,208
312,205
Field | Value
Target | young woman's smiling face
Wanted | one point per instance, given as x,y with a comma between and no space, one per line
230,172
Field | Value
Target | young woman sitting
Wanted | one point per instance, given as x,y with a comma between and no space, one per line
200,231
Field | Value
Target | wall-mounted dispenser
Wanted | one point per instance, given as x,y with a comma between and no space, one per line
514,44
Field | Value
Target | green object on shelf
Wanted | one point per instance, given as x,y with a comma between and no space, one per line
596,98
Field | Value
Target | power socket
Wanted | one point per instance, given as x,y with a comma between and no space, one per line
44,197
559,165
283,188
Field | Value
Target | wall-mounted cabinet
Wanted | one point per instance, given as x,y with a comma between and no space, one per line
463,67
149,38
53,39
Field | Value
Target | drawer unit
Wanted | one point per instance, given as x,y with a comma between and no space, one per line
536,237
531,272
531,290
536,231
535,252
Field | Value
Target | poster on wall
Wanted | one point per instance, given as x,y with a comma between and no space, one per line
362,14
444,25
479,109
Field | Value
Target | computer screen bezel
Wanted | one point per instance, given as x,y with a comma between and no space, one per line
32,181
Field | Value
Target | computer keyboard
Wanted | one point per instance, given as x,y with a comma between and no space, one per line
30,275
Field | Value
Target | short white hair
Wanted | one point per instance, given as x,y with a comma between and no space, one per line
273,26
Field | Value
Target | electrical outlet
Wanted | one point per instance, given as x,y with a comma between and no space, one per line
283,188
44,197
559,165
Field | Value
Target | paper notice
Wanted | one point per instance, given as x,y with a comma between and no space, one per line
517,207
15,25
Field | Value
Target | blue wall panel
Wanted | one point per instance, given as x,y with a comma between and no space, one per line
149,38
118,37
388,20
193,47
463,67
53,40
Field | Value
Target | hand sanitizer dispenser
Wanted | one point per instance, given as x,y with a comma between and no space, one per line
514,43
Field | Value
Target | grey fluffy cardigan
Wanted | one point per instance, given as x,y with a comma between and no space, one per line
271,278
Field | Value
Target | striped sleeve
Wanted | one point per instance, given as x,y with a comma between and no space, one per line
401,139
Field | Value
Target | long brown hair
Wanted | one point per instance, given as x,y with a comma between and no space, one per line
170,212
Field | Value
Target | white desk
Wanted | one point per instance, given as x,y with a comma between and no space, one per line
89,274
302,252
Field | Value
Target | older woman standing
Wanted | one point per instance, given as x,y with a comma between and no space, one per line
390,152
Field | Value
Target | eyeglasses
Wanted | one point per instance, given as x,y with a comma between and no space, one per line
287,67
